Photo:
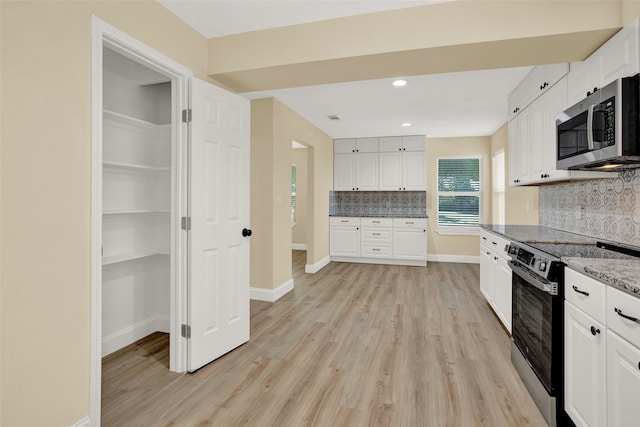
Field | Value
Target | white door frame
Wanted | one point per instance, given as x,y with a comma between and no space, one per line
104,34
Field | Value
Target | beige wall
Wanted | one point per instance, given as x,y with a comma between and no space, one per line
451,36
299,156
521,203
438,244
273,127
46,194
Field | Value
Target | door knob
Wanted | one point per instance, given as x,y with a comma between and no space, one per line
594,330
246,232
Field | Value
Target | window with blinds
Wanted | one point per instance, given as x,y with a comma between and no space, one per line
499,181
293,194
459,195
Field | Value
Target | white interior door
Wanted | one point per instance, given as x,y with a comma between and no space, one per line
219,210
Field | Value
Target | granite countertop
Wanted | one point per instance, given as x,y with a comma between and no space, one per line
538,234
622,272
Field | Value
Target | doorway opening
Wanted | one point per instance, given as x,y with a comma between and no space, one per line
138,160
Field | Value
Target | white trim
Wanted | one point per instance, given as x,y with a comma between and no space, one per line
133,333
299,246
385,261
462,259
314,268
271,295
103,34
85,422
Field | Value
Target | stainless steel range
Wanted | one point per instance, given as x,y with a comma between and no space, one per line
537,329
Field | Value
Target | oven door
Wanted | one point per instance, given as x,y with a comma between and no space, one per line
536,326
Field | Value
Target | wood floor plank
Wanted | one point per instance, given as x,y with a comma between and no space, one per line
352,345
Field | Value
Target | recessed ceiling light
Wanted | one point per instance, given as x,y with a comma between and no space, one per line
399,83
406,124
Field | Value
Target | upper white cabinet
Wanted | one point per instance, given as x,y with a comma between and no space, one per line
538,81
532,141
402,163
355,164
395,163
618,57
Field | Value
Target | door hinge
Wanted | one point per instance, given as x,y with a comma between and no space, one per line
185,331
186,115
186,223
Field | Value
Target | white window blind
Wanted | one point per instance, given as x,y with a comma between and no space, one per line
293,194
459,193
498,172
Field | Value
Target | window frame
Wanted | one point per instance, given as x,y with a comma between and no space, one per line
294,189
498,189
460,230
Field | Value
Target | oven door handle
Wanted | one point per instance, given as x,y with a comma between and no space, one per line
541,284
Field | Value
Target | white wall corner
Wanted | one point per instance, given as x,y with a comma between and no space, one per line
299,246
271,295
462,259
314,268
85,422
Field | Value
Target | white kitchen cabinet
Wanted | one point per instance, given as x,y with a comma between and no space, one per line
345,236
584,367
410,239
623,381
355,166
402,163
602,353
495,275
532,142
376,237
538,81
400,241
618,57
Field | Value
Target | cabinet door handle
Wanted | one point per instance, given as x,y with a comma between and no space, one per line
575,288
375,249
409,222
621,314
376,234
344,220
594,331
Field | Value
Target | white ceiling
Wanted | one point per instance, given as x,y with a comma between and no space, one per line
442,105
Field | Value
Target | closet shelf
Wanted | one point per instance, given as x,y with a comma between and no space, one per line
136,212
133,255
135,167
132,121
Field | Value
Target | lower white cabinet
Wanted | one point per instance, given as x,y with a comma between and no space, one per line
495,275
623,382
401,241
584,368
345,237
410,239
602,353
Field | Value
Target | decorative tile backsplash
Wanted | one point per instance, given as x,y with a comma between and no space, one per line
399,204
611,207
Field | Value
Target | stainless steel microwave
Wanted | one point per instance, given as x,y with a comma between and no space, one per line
601,132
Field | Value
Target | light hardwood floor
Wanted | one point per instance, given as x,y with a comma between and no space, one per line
352,345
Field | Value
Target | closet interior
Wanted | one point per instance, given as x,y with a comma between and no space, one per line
136,202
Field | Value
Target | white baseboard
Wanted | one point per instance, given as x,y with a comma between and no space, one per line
85,422
463,259
133,333
271,295
299,246
314,268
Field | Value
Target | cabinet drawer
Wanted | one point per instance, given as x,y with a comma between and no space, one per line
376,234
495,243
410,223
376,222
586,293
376,250
621,307
340,220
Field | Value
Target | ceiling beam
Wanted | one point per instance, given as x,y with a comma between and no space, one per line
445,37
